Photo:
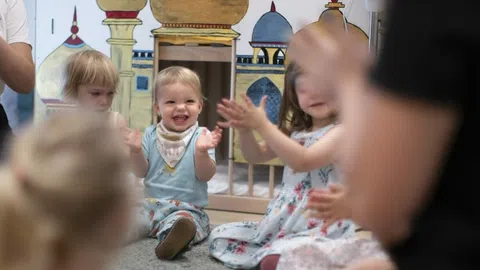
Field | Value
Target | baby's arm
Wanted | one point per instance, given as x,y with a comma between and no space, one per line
297,157
253,151
205,166
139,164
133,138
121,125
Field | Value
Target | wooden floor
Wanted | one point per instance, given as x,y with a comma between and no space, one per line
221,217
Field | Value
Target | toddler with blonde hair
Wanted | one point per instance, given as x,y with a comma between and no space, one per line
64,196
91,82
177,159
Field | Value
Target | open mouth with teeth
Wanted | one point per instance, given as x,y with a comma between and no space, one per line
180,119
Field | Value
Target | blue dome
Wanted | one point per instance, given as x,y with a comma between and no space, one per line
272,27
265,87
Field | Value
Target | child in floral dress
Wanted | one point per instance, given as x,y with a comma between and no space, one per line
308,116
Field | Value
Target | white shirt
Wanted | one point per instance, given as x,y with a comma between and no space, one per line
13,24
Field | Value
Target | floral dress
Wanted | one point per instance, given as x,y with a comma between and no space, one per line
331,255
286,223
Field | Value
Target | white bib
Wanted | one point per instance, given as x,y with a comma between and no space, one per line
172,145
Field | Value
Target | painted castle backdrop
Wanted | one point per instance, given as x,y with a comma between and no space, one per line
123,30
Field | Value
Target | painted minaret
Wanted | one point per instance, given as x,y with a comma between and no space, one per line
122,19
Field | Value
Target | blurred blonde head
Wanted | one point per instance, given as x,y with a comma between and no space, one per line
64,196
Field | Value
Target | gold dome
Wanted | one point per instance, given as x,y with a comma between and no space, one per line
335,16
121,5
218,12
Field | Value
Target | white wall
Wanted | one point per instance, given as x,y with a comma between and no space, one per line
90,18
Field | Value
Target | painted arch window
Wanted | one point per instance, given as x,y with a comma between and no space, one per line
265,87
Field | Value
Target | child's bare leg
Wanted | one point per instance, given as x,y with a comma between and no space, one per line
373,264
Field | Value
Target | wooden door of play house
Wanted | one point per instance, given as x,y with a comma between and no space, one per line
213,63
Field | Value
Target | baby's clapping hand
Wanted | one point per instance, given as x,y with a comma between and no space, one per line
330,205
243,116
133,139
208,140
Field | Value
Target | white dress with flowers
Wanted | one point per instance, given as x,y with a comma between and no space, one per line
332,255
286,223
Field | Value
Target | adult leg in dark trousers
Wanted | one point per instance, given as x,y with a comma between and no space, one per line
5,134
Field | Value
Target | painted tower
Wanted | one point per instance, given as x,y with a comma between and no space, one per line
141,104
122,19
263,72
270,36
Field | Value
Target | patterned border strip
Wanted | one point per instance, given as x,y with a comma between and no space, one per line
197,25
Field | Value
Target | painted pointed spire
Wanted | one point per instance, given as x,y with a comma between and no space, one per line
74,29
74,39
272,7
74,15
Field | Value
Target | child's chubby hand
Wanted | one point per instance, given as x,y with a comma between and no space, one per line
208,140
243,116
133,139
329,204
